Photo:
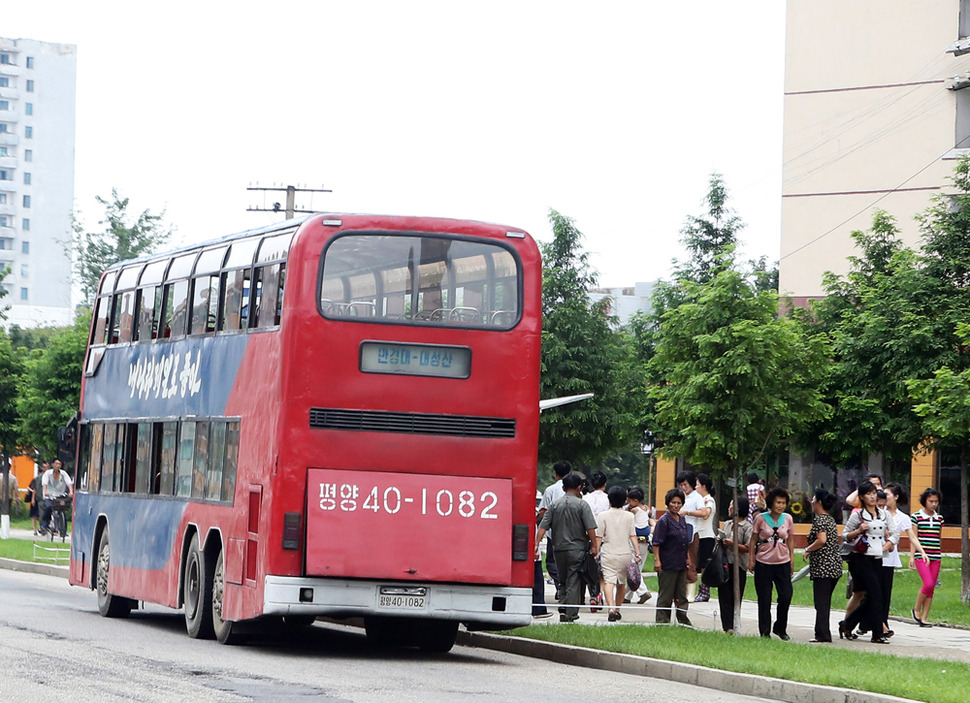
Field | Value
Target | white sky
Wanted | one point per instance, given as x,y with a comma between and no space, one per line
613,113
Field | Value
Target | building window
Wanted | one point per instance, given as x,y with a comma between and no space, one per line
3,127
25,247
6,243
3,151
4,104
29,155
30,86
26,201
29,109
29,132
4,82
5,175
3,220
3,198
23,294
24,271
30,62
5,59
26,179
26,224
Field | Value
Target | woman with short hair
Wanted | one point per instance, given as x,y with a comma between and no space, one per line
929,527
824,560
771,545
671,537
615,536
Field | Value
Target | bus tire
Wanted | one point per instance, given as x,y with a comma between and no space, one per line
226,632
387,632
110,606
299,620
437,636
197,590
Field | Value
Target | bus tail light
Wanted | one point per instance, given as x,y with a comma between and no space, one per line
291,530
520,542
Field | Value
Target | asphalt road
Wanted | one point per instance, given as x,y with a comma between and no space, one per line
55,646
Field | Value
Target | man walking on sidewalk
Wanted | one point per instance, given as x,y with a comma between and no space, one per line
573,534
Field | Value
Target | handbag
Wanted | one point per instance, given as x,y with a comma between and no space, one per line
590,571
717,572
634,577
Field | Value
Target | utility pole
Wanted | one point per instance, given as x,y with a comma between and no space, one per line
291,192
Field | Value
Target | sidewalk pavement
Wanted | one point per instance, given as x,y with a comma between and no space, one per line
941,642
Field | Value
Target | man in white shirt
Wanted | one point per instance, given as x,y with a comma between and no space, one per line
598,503
549,497
686,480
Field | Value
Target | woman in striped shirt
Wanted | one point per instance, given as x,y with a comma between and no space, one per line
929,525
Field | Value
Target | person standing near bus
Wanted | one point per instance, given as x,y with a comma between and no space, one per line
573,531
36,491
55,483
549,497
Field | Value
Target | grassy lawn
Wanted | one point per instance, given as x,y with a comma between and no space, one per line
919,679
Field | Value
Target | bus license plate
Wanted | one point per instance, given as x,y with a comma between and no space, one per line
401,602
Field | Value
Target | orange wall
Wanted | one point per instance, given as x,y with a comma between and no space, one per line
666,474
23,468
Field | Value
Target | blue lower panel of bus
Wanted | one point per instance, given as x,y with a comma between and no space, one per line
143,531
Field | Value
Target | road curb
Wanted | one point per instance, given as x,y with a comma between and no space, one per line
728,681
34,568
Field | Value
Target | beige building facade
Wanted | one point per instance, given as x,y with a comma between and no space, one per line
875,115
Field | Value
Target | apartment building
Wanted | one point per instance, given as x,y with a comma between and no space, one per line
37,87
877,110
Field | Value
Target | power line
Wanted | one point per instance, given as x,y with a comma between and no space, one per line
291,192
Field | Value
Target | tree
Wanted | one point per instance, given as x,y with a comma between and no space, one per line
51,386
582,352
10,370
4,270
708,237
125,236
731,376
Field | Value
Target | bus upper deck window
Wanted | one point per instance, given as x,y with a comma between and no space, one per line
421,279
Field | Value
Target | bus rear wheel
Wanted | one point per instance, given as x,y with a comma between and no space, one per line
197,587
437,636
225,631
110,606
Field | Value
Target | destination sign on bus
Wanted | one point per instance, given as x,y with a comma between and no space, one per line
415,359
430,526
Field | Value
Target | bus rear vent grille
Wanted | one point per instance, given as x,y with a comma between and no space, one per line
411,423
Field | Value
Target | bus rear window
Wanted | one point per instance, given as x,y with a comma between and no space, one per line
427,280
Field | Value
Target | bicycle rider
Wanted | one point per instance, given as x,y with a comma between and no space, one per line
56,484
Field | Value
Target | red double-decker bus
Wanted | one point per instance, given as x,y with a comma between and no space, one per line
330,417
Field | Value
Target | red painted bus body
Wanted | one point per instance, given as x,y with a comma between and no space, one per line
370,452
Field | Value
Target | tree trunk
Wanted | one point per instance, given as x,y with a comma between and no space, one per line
964,524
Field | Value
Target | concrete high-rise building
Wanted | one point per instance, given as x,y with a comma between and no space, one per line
876,112
37,86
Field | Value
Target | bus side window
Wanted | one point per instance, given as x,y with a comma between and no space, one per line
112,329
268,285
126,317
232,460
110,457
180,309
143,458
245,303
94,464
200,460
165,326
217,457
167,456
205,304
101,317
279,295
256,298
232,296
186,455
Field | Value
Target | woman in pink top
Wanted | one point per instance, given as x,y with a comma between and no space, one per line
771,545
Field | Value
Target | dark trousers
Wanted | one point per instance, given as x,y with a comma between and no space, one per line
551,565
538,590
867,578
570,564
822,590
725,597
779,576
672,588
886,582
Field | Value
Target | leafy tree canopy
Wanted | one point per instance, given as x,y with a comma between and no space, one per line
125,236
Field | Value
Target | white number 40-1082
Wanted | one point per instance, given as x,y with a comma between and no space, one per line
444,502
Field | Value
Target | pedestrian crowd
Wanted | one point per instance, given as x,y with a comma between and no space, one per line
597,543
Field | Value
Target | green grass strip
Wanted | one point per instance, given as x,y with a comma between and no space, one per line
926,680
